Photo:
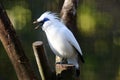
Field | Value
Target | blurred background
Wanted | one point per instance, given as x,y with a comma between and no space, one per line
99,26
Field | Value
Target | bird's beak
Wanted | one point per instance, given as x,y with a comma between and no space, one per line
36,22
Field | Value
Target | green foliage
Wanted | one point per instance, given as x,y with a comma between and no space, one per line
86,20
20,16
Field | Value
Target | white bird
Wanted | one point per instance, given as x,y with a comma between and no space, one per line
60,38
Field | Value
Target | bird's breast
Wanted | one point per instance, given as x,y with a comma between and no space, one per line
60,46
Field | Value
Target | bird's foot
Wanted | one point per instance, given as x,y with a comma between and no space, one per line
58,62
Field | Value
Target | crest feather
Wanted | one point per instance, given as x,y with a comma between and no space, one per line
51,15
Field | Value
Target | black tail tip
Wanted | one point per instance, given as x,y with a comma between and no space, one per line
77,72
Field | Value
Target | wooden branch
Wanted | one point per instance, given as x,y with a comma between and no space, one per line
42,62
14,49
65,72
69,14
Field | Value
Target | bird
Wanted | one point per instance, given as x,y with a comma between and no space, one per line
61,40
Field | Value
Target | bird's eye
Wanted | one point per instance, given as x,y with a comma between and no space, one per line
45,19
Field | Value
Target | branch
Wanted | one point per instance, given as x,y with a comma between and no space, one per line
69,13
42,62
13,48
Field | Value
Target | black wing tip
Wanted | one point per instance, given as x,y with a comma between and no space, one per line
77,72
81,57
83,61
79,54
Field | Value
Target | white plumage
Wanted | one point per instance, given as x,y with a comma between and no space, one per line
60,38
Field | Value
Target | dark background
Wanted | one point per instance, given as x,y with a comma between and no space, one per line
99,26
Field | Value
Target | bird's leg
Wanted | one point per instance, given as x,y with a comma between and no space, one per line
61,61
64,61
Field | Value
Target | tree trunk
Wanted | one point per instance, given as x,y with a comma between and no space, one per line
13,48
69,13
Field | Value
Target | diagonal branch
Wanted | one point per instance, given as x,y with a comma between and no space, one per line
13,48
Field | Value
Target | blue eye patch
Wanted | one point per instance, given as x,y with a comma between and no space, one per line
45,19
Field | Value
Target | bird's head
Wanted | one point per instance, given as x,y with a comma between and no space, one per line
44,18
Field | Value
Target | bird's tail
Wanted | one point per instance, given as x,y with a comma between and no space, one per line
74,61
77,74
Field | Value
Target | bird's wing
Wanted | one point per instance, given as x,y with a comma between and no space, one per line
71,39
